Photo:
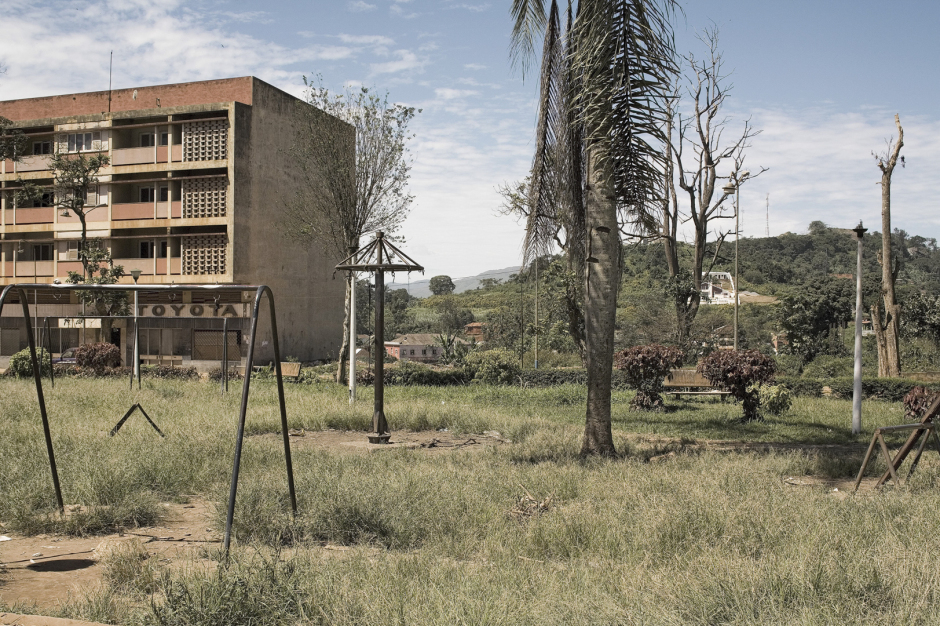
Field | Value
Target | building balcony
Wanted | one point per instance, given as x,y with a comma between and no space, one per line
146,210
26,271
33,163
151,267
30,215
150,154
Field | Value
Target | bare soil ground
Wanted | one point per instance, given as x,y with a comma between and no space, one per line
43,570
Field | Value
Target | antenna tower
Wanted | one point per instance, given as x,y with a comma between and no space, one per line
767,233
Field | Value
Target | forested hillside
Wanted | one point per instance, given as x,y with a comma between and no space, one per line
811,275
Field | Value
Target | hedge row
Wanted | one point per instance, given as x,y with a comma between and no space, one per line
888,389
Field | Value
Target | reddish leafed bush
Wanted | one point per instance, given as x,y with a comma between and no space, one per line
917,401
645,367
741,372
98,356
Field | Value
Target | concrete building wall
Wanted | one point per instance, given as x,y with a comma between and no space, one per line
310,301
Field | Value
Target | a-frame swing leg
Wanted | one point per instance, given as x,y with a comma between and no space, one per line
888,459
861,472
135,407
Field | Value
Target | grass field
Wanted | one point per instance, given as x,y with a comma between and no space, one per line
702,536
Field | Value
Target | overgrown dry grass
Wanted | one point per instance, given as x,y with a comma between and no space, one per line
702,537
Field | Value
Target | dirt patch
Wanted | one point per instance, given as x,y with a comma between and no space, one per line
44,569
433,441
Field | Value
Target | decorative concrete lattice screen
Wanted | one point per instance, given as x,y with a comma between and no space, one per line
205,141
204,197
204,254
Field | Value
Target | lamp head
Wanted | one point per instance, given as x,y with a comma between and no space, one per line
136,275
729,189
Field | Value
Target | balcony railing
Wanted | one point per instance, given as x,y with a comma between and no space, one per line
34,215
146,210
36,163
150,154
151,267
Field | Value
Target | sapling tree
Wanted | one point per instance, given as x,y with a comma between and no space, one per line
645,367
741,372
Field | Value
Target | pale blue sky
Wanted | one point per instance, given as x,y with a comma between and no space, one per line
823,79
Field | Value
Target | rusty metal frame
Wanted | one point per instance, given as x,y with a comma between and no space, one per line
926,429
260,290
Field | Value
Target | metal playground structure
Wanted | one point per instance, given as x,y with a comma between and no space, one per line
259,291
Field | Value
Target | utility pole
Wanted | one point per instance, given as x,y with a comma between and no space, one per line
857,388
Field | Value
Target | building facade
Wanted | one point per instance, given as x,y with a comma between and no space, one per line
191,195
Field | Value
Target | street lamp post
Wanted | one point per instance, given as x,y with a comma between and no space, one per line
136,275
857,388
734,186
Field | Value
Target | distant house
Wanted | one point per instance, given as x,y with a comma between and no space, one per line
421,347
474,330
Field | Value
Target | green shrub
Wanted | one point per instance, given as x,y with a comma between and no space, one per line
645,367
789,364
21,363
498,366
739,371
775,399
807,387
98,356
887,389
553,377
825,366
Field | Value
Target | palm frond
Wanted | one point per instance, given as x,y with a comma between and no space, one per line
529,21
625,58
542,224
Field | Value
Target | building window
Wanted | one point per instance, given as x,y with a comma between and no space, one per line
84,141
147,194
42,252
146,249
42,147
45,200
164,139
146,140
424,353
163,250
164,194
412,353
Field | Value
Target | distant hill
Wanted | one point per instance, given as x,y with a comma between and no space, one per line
421,288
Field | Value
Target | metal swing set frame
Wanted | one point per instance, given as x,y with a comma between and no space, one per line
260,290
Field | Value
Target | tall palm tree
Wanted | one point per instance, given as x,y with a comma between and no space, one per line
597,168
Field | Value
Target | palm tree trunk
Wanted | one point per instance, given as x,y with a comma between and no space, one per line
602,282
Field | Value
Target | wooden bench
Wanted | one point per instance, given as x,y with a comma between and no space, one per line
690,383
289,370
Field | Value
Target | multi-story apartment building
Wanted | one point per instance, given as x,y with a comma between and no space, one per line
191,194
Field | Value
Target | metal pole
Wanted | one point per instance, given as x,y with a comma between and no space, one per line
352,331
857,388
737,222
136,335
379,423
224,354
536,365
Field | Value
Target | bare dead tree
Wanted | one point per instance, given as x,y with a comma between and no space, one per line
354,169
702,203
887,329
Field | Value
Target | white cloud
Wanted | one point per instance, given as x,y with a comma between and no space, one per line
367,40
358,6
476,8
406,61
474,66
453,94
